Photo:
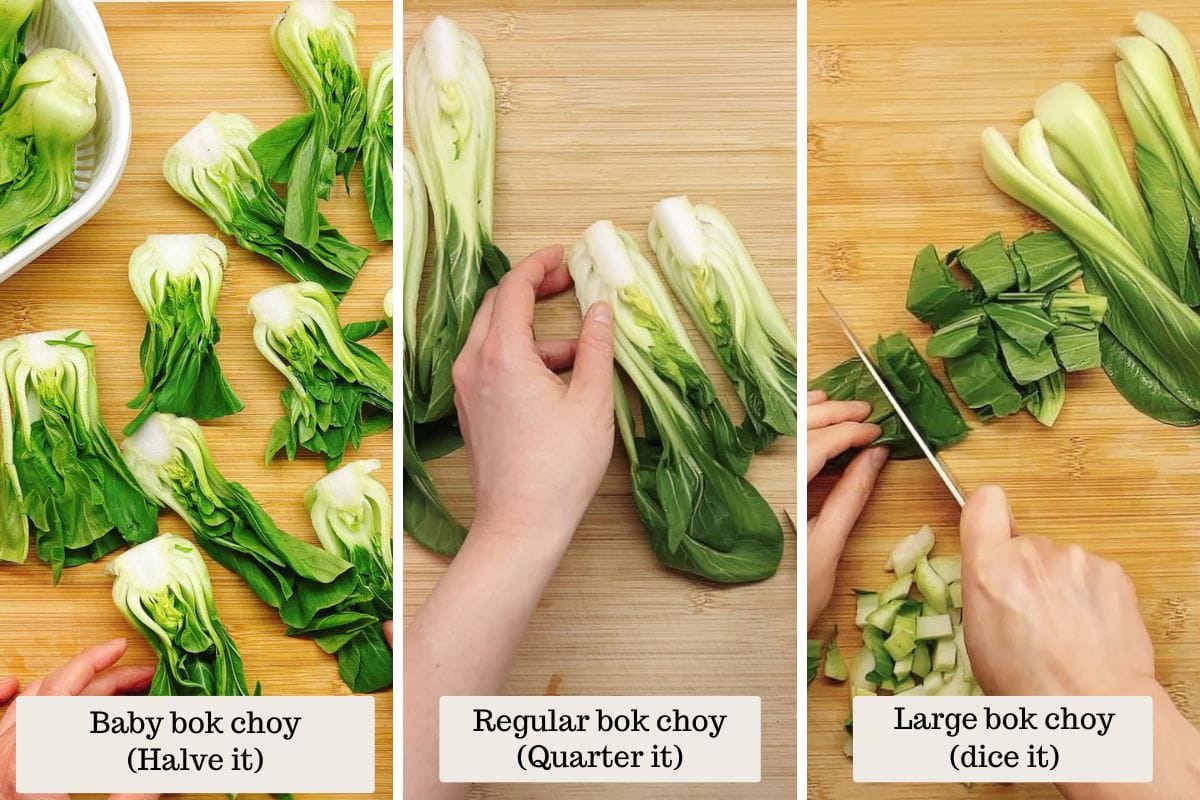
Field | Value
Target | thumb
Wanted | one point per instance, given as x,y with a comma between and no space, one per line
986,522
593,369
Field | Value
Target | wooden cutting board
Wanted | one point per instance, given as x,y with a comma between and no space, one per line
175,77
898,95
602,110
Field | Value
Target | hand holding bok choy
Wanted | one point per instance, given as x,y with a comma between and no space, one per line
177,280
15,18
212,168
51,106
60,471
377,174
338,391
452,122
162,588
701,515
315,42
711,273
352,516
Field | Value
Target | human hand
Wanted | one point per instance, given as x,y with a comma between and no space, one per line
835,426
537,446
387,632
89,673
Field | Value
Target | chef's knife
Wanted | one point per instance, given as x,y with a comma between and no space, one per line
873,371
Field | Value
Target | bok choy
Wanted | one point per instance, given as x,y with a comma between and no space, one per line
15,18
701,515
212,168
60,471
712,274
377,174
338,391
177,280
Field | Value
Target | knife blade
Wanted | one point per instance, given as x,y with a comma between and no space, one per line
873,371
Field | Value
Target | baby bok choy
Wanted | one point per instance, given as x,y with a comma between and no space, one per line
314,40
162,588
51,106
212,168
177,279
338,391
377,175
352,516
60,471
171,461
701,515
15,18
711,273
452,121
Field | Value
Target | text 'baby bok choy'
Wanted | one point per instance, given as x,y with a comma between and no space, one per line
177,279
16,16
452,121
352,516
338,391
170,459
51,106
701,515
212,168
711,273
162,588
314,40
60,471
425,516
377,177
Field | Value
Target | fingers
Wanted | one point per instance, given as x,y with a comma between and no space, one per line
816,397
986,523
826,443
10,714
845,503
387,632
831,412
8,689
556,354
120,680
513,314
592,376
133,797
72,677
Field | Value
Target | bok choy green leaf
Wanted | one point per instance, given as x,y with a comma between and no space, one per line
15,18
377,176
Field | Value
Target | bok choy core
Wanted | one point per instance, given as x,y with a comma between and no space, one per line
425,516
162,588
170,459
213,169
51,106
60,471
177,280
352,516
338,391
15,18
452,122
314,40
701,515
377,175
711,273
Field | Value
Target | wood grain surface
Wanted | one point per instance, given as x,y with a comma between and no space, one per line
602,110
898,95
180,62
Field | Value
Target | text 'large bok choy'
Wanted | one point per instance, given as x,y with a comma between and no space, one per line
60,471
701,515
177,280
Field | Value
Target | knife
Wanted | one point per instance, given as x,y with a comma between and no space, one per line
873,371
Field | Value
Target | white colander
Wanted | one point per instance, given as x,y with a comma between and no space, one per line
100,157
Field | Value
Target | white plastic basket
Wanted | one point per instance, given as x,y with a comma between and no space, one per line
100,157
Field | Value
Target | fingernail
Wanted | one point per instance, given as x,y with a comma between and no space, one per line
602,313
863,406
878,430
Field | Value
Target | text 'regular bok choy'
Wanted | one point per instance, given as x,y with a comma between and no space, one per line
171,461
314,40
352,516
711,273
177,279
15,18
213,169
338,391
701,515
452,121
61,472
162,588
1155,336
377,177
51,106
425,516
